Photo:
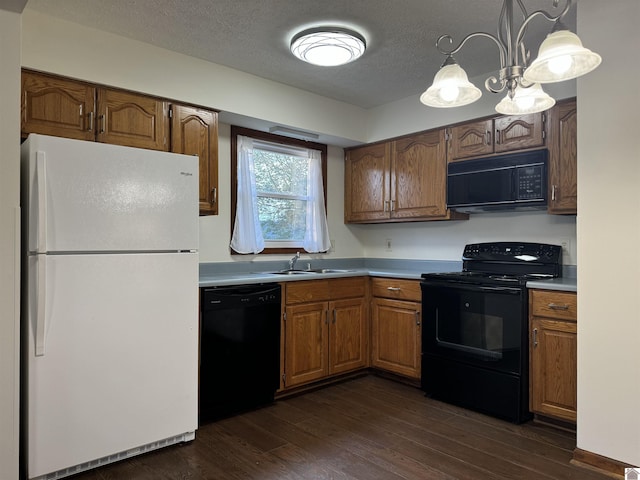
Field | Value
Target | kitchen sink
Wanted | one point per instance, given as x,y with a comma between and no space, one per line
328,270
315,270
289,272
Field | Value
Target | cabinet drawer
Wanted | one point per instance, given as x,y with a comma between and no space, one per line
351,287
554,304
396,288
307,291
323,290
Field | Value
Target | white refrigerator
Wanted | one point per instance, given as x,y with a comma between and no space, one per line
110,317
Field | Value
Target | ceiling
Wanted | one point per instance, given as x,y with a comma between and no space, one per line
253,36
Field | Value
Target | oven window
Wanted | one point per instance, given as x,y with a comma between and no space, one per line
480,327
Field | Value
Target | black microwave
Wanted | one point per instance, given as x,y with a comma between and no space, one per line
505,182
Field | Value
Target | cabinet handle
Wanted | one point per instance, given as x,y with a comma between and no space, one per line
90,129
385,207
555,306
214,195
535,337
497,137
393,206
102,120
417,318
394,289
553,193
488,137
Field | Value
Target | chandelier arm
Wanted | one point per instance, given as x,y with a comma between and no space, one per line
449,53
546,15
501,83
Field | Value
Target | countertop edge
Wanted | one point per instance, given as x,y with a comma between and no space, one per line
566,284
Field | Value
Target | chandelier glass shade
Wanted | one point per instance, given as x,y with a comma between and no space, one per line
561,57
328,46
451,88
525,100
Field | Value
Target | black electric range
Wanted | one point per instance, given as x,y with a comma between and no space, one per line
475,346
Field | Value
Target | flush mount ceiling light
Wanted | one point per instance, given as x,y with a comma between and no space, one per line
561,57
328,46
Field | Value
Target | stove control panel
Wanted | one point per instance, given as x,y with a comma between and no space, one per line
513,252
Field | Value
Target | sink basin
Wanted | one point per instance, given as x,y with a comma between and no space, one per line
315,270
328,270
289,272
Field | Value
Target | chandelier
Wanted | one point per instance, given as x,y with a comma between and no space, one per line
561,57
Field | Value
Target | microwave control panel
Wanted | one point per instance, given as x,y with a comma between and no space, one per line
530,182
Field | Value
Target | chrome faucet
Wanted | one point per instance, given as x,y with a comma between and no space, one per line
294,259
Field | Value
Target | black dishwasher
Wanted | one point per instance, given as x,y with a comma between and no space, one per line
239,348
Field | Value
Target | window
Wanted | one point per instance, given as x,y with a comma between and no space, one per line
278,193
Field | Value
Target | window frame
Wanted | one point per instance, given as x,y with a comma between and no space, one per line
282,140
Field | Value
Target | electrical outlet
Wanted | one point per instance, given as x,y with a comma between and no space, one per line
387,244
566,245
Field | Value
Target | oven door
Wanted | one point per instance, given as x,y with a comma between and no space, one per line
484,326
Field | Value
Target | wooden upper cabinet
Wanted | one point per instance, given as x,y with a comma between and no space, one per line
563,159
419,176
519,132
57,106
133,120
472,139
398,181
497,135
367,171
194,131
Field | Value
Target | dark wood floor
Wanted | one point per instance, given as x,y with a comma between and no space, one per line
368,428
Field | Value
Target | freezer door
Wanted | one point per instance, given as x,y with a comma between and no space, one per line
120,362
93,197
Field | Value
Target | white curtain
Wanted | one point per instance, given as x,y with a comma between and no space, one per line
316,235
247,233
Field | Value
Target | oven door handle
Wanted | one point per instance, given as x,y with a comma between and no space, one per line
474,288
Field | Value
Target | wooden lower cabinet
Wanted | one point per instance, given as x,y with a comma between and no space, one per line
326,329
553,354
396,326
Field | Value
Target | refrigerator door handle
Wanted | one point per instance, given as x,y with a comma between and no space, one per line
41,175
41,306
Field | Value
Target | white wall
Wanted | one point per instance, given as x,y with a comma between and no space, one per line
609,233
446,240
9,241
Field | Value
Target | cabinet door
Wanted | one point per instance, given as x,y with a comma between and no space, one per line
516,132
418,176
554,368
396,336
194,131
347,335
471,140
367,196
57,107
306,337
132,120
563,159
